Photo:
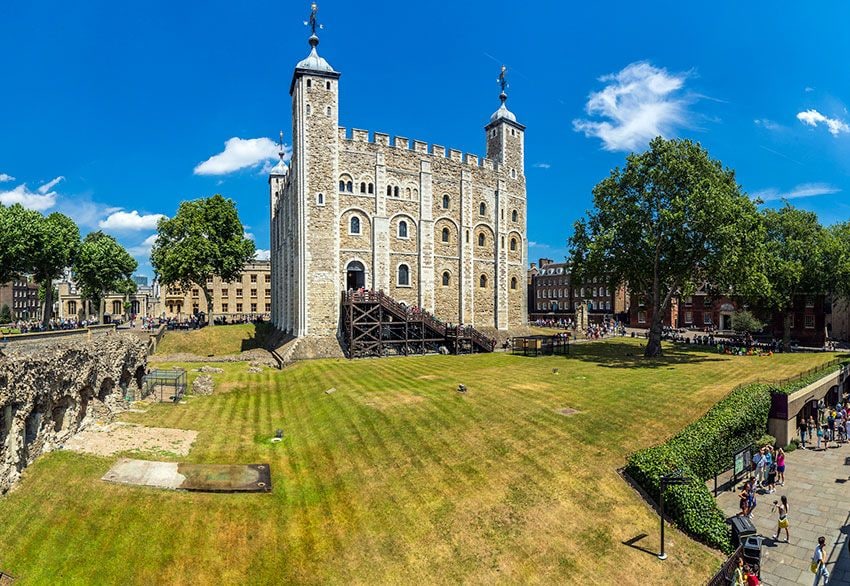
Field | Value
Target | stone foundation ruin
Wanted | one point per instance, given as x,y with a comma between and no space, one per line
47,394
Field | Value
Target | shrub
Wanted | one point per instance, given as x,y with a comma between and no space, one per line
765,440
700,450
792,446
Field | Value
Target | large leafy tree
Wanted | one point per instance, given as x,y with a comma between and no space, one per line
672,218
102,265
53,246
17,226
799,250
204,239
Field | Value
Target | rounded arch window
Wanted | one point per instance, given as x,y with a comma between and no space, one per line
514,216
445,201
354,225
445,234
362,187
513,282
403,275
513,244
395,191
402,229
371,188
389,190
407,193
482,240
446,278
482,281
482,208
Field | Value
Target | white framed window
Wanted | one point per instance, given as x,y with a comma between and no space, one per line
446,201
706,318
809,322
641,317
445,235
402,229
446,278
689,317
320,199
354,225
482,209
403,276
810,302
513,282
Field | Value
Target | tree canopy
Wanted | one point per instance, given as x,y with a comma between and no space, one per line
204,239
102,265
53,246
673,217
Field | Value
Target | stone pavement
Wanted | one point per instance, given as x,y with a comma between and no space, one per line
818,489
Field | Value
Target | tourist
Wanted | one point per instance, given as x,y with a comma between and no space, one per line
758,463
751,502
739,573
782,507
802,429
770,479
819,562
780,466
820,436
830,425
751,576
744,501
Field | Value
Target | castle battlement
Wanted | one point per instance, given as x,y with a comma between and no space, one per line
359,135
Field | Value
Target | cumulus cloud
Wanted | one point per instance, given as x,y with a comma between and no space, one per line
241,153
4,177
542,166
802,190
50,185
809,89
262,254
813,118
143,250
766,123
121,220
637,104
33,200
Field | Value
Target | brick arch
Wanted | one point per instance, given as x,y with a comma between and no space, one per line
409,244
488,251
364,239
452,247
514,255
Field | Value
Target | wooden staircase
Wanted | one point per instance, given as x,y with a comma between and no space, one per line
375,324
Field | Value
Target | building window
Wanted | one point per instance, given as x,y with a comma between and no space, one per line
403,276
362,187
253,308
309,110
689,300
407,193
809,322
238,308
810,302
482,281
253,278
395,191
195,292
389,190
402,229
309,83
513,244
72,307
253,292
354,225
446,278
445,234
514,216
513,282
239,293
268,307
341,185
224,307
268,292
689,317
482,209
706,301
608,305
327,85
371,188
641,317
706,318
467,236
320,199
224,292
328,111
482,240
445,201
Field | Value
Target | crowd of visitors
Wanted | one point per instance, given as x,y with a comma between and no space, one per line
829,424
32,326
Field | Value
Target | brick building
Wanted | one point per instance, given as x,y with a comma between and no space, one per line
21,296
554,294
429,226
70,303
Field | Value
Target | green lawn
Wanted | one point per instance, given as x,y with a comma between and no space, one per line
215,340
395,477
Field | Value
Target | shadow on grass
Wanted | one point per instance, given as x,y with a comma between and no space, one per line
633,544
626,355
259,338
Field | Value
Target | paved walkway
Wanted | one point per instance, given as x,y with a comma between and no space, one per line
818,489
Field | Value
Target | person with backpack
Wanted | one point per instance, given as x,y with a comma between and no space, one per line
819,562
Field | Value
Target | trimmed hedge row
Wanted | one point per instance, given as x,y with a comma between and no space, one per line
700,450
805,381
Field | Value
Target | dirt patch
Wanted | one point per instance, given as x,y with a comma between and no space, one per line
385,401
567,411
112,438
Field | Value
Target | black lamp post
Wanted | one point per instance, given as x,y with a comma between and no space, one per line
674,478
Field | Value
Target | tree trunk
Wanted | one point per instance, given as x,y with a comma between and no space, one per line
48,302
208,299
786,331
653,346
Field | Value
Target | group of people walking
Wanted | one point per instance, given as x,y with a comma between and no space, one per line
832,424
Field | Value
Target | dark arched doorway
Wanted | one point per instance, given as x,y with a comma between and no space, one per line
355,275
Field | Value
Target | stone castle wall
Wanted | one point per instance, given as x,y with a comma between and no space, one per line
47,394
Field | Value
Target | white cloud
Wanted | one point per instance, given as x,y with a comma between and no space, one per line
50,185
241,153
262,254
809,89
640,102
4,177
766,123
813,118
542,166
29,199
121,220
144,249
249,235
802,190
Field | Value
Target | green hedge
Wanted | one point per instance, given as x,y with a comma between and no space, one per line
700,450
805,381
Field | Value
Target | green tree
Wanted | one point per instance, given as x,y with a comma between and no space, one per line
128,288
673,217
5,314
798,251
745,321
54,243
17,227
102,265
204,239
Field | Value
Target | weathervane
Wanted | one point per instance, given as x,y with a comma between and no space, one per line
503,82
313,22
280,146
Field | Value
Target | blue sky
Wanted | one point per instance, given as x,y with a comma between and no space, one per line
114,113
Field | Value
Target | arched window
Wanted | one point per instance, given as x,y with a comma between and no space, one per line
513,282
482,209
395,191
341,185
482,239
513,243
354,226
349,187
407,193
328,111
389,190
403,275
116,307
402,229
415,193
362,187
445,201
446,278
309,110
371,188
327,85
445,234
320,199
514,216
482,281
309,83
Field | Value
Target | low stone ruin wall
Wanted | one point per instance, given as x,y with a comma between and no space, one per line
50,393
